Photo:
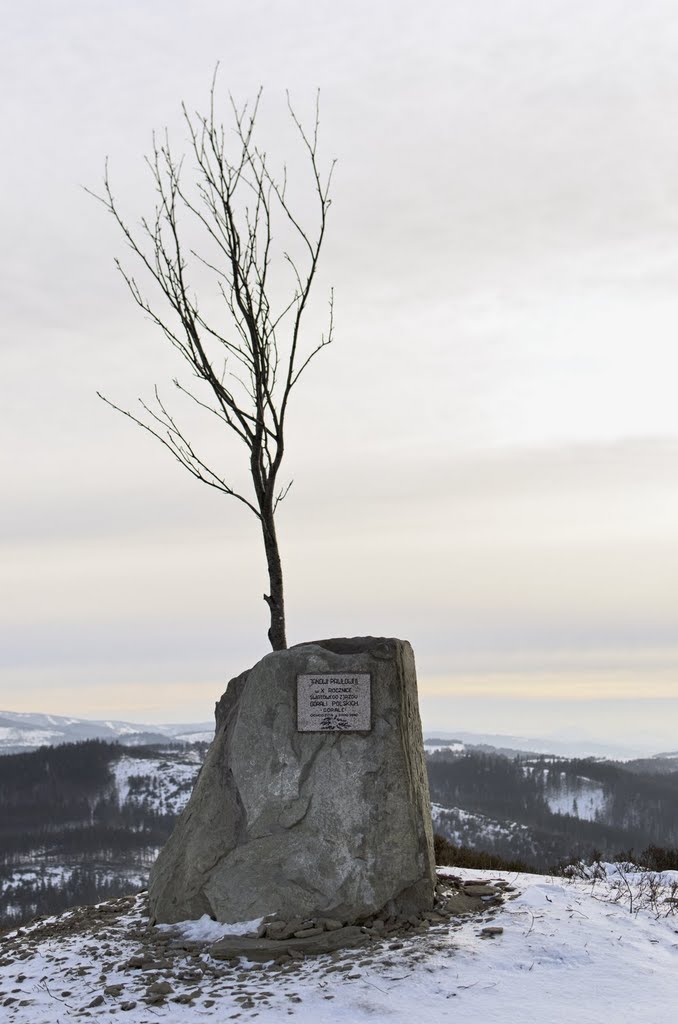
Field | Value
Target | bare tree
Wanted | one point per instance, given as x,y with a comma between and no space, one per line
249,358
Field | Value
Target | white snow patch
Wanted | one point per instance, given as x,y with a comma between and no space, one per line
456,748
27,737
464,827
164,784
207,930
195,737
583,798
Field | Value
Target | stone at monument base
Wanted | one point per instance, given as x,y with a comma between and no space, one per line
331,823
232,947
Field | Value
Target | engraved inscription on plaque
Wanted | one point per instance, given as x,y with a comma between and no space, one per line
334,702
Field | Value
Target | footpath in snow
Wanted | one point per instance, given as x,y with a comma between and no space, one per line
567,953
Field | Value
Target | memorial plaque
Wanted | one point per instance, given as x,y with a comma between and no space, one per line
334,702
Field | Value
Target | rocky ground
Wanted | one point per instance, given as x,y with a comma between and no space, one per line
96,962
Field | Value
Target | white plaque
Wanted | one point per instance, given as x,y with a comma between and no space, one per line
334,702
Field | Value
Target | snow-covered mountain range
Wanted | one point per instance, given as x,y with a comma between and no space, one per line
27,731
23,731
583,746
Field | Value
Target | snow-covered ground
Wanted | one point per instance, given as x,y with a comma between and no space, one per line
465,828
26,731
159,783
584,798
164,784
11,737
454,748
567,953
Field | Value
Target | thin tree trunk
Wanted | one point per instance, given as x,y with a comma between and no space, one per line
276,599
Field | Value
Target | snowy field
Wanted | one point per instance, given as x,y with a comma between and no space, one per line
568,952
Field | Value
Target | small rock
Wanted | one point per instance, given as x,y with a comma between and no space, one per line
480,890
276,930
97,1001
190,975
113,990
292,926
330,924
160,988
492,929
184,998
261,930
129,1004
154,1000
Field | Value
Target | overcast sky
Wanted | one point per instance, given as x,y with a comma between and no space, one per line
484,462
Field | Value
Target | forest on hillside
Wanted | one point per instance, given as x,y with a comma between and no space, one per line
66,837
84,821
532,808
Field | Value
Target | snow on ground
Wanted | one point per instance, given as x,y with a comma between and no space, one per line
583,798
455,748
207,930
27,737
165,784
464,827
202,736
566,954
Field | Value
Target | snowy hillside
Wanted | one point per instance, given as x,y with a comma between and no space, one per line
557,746
87,821
22,732
562,951
464,828
164,784
584,799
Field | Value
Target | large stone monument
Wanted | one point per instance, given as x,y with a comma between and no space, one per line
313,800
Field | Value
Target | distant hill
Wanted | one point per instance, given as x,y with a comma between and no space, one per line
21,732
81,822
542,809
514,744
28,731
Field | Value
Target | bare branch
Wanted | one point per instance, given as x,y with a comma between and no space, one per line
250,356
212,479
